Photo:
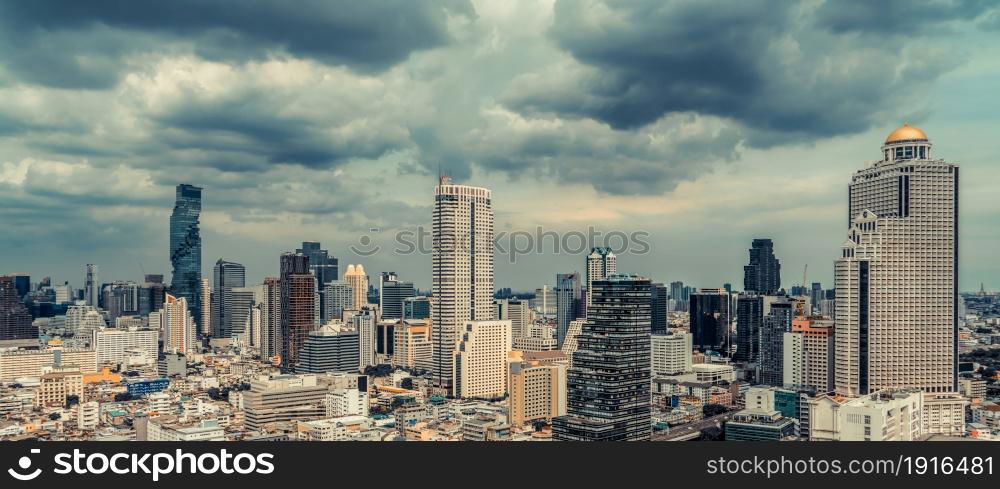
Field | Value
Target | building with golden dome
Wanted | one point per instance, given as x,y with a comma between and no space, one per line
896,322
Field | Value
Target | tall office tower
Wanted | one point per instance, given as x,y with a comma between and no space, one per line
816,296
358,282
658,296
239,305
608,383
749,316
227,275
671,354
517,312
185,249
22,284
777,322
601,262
569,302
413,348
151,294
206,312
365,322
270,324
480,362
710,317
176,324
15,320
545,301
324,267
91,287
392,293
462,268
896,282
677,295
120,299
763,274
338,298
418,307
808,355
297,307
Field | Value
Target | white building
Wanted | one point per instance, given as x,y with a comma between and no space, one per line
82,320
671,354
365,322
896,304
88,415
881,416
572,332
601,263
480,360
113,345
346,402
713,372
517,311
462,268
168,429
175,324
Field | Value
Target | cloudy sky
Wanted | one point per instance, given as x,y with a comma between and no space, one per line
704,125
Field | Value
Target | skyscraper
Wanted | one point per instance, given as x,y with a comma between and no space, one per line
569,302
481,359
462,267
392,293
338,297
15,320
609,380
677,295
658,304
601,262
91,287
176,325
749,316
896,281
297,305
270,324
185,248
326,268
763,274
151,294
226,276
777,322
358,282
710,317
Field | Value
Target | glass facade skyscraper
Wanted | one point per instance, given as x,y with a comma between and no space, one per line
185,247
763,274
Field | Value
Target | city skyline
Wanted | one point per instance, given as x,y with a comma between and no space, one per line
93,181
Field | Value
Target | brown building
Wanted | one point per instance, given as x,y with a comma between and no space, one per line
298,291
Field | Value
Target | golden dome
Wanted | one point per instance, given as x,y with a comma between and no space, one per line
906,133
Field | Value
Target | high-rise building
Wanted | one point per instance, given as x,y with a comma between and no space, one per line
185,248
151,294
270,324
297,305
777,322
338,298
749,316
91,287
365,323
671,354
517,312
120,298
608,384
710,318
808,355
763,274
15,320
659,295
113,345
413,347
569,303
462,268
332,348
324,267
601,262
392,293
227,275
240,303
82,320
896,282
206,312
176,325
537,385
480,362
417,307
358,282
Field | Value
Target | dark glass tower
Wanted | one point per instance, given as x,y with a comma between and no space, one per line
226,277
569,301
392,293
15,320
772,337
658,303
763,274
185,248
298,287
749,315
326,268
608,385
710,317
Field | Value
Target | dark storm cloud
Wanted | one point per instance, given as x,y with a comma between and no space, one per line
783,70
87,44
898,17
